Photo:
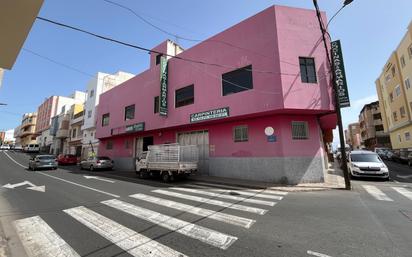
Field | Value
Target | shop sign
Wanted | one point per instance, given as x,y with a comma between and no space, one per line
135,127
210,115
271,138
163,87
340,76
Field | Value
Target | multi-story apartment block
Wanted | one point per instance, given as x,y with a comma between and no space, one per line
17,135
76,115
27,133
371,127
395,93
354,136
98,85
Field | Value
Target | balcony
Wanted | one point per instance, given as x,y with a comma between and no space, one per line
77,118
62,133
27,124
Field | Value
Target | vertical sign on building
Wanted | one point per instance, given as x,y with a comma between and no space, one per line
163,87
340,76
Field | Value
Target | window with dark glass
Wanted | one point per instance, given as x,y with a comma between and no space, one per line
377,116
300,130
237,81
109,145
156,104
307,70
129,112
185,96
240,134
379,127
158,58
105,119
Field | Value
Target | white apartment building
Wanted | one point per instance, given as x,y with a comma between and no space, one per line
98,85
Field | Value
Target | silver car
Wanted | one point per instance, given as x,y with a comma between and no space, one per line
42,161
99,162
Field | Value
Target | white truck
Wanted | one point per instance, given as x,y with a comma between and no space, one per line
168,161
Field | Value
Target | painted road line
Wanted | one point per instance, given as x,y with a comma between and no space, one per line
79,185
128,240
212,202
265,191
205,235
404,192
317,254
21,165
210,214
98,178
230,197
41,240
376,193
273,197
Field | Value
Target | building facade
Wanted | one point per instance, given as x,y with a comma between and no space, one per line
371,127
354,136
260,115
98,85
27,133
395,93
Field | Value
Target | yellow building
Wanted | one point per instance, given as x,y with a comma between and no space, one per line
27,133
395,93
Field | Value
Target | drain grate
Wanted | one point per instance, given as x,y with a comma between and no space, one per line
408,214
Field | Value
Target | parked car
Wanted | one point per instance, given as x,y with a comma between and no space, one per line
18,148
400,156
67,159
99,162
42,161
32,148
4,147
367,164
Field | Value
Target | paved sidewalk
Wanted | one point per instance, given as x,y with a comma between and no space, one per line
333,180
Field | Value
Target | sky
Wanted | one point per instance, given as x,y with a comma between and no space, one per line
369,31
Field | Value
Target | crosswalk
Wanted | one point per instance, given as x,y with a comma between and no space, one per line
207,201
388,193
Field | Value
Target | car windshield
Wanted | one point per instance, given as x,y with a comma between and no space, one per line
365,158
103,158
45,157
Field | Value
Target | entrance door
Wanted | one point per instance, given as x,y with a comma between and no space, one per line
201,139
146,142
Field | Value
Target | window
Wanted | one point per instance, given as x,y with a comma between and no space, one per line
377,116
391,97
237,81
403,61
91,133
402,111
407,136
74,133
91,93
387,78
410,51
156,104
158,58
185,96
240,134
379,127
399,138
109,145
127,144
129,112
393,70
105,119
410,105
397,91
307,69
300,130
89,113
395,116
407,83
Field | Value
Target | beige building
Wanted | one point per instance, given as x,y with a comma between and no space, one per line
371,127
353,138
395,93
27,134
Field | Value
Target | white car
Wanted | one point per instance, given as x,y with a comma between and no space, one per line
4,147
367,164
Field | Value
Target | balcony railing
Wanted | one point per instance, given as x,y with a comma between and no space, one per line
62,133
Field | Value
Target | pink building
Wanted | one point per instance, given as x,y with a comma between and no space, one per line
260,114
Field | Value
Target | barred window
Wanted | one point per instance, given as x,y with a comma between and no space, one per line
109,145
240,134
300,130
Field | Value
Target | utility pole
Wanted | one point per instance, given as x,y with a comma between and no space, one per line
336,95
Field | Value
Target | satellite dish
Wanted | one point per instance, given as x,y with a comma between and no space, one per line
269,131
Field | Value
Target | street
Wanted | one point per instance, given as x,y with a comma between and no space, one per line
79,213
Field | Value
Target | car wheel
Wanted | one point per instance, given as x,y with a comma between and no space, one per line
409,163
165,177
33,168
91,168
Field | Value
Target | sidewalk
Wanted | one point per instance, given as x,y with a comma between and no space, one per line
333,180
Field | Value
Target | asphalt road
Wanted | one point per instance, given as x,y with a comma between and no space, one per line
97,217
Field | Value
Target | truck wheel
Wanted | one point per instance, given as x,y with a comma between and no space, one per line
142,175
165,177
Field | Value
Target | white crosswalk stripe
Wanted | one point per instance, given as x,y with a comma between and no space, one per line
404,192
200,233
376,193
230,197
212,201
39,239
265,191
210,214
128,240
253,194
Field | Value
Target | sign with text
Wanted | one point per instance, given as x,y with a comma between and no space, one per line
163,87
135,127
210,115
340,76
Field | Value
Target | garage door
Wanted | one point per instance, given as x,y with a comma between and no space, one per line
201,139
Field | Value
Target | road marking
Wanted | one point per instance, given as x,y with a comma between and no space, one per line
31,186
128,240
377,193
15,161
99,178
230,197
80,185
41,240
404,192
318,254
273,197
212,202
210,214
404,177
266,191
208,236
